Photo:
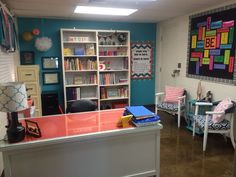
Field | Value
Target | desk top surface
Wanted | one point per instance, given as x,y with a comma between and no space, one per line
76,124
64,126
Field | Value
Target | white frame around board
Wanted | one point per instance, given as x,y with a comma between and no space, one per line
141,60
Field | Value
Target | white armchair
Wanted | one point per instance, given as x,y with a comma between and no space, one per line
205,122
171,108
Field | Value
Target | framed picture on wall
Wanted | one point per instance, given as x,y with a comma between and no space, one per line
50,78
27,58
50,62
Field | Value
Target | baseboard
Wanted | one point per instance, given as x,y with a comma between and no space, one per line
2,175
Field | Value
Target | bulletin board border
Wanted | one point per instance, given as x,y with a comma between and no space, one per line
142,76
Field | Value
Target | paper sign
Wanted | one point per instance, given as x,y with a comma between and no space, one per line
141,55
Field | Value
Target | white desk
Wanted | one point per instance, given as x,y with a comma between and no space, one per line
85,145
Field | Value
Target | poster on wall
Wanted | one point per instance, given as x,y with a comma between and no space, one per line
211,50
141,60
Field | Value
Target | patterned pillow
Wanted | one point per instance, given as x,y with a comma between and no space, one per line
172,94
222,106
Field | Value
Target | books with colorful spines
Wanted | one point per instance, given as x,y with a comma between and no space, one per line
90,49
155,118
139,112
77,93
79,50
78,80
103,93
146,122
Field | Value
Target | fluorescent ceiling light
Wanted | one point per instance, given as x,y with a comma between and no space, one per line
104,10
102,1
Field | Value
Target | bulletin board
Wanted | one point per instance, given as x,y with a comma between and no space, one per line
211,49
141,60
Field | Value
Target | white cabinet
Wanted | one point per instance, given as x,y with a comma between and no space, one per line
29,74
96,66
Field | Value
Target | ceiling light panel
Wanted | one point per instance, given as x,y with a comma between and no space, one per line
104,10
107,1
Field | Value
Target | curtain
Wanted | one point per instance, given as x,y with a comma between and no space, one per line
8,35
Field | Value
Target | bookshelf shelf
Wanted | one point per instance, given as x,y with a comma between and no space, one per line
90,98
71,56
82,85
113,56
115,98
113,46
117,70
114,85
80,42
75,71
84,51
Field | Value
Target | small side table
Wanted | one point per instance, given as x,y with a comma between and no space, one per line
190,114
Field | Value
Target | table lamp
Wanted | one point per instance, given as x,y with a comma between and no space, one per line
13,98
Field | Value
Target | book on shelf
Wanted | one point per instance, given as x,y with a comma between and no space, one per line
78,80
139,112
77,93
69,80
72,64
93,79
125,63
67,51
89,49
123,80
112,92
91,65
107,78
103,93
73,94
79,50
77,64
123,92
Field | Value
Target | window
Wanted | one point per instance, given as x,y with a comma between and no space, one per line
7,74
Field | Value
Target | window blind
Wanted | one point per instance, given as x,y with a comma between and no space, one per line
7,74
7,67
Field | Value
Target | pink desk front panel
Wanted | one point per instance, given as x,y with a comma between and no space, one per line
66,125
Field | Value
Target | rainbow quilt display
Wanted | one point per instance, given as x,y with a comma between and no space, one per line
212,38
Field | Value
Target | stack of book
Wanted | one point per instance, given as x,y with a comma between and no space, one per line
142,116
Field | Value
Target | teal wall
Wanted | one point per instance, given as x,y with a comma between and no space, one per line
142,91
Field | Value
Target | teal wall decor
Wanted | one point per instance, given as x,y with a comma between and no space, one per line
142,91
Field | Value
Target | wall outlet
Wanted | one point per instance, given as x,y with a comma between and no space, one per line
179,65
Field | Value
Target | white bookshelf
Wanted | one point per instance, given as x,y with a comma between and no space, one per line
83,53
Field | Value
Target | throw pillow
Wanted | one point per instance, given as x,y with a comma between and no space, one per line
222,106
172,94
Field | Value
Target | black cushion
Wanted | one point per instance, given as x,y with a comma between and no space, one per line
82,106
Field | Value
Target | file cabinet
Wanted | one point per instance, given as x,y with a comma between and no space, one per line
29,74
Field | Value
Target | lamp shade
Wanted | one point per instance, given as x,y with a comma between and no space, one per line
13,97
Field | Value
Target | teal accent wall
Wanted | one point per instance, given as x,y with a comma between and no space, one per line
142,91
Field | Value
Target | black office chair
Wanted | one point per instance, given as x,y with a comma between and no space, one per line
81,106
